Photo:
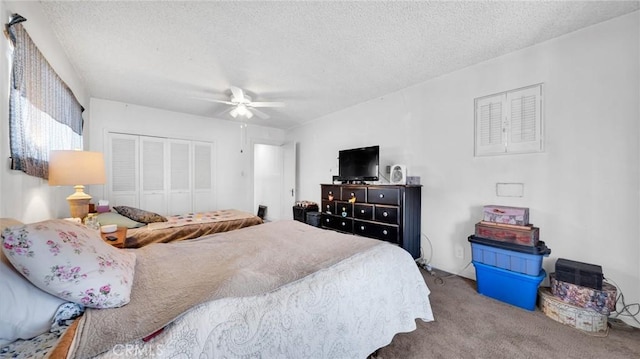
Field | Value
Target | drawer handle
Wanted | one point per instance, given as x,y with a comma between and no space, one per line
362,228
385,214
381,195
385,232
327,220
362,211
344,224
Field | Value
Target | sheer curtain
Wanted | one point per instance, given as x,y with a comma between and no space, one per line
44,114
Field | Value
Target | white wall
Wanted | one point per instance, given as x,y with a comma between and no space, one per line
234,169
23,197
583,191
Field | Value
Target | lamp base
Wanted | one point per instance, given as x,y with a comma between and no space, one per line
79,203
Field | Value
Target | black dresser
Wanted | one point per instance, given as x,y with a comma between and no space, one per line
387,212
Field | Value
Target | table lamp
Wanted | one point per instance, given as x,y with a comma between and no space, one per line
76,168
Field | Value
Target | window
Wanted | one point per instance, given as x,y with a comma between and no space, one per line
44,114
509,122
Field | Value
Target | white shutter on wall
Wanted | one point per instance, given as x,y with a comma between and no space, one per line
489,125
509,122
525,127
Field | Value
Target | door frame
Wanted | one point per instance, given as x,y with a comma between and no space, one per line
283,193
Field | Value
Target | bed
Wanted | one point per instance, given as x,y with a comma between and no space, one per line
279,290
189,226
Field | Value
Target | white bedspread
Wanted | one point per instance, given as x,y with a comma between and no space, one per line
347,310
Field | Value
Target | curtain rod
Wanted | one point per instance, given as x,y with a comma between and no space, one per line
15,19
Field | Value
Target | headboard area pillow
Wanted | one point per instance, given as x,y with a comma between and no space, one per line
117,219
71,261
26,310
139,215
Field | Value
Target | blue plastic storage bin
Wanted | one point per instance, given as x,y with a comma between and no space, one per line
506,286
526,263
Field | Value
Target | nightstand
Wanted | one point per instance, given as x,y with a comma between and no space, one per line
120,234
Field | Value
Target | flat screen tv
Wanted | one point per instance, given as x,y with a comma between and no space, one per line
359,164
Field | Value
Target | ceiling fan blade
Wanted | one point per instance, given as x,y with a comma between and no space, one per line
259,113
214,100
225,111
237,94
266,104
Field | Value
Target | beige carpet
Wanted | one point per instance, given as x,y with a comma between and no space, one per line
469,325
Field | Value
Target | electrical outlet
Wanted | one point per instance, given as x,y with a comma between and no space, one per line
459,251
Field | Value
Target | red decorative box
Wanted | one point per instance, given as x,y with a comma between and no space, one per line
522,235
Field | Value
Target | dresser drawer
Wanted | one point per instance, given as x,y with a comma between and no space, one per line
330,192
344,209
387,214
384,195
384,232
328,207
360,193
337,223
363,211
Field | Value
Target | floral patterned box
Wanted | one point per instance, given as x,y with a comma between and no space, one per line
506,215
580,318
603,301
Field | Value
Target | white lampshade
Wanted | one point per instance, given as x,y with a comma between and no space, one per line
76,168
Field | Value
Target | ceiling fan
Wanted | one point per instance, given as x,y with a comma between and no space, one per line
243,106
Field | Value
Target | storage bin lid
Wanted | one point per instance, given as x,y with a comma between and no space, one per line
539,249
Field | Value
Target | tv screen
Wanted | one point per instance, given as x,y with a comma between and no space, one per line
359,164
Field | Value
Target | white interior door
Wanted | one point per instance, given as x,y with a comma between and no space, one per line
274,171
267,179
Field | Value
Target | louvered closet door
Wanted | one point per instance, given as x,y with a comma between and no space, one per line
180,190
153,191
203,179
122,167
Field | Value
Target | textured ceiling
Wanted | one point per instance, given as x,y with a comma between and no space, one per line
317,57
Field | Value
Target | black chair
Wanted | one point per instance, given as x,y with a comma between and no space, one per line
262,210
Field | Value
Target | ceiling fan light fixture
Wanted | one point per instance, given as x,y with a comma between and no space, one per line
249,114
234,112
241,109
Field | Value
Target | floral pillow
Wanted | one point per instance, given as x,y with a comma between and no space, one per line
72,262
139,215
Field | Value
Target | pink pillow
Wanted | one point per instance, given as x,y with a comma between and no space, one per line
72,262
